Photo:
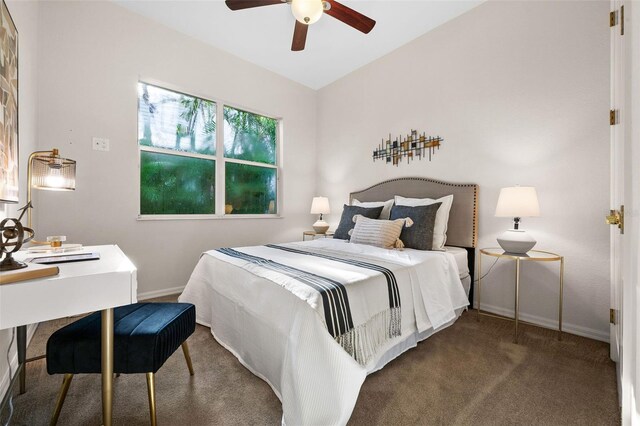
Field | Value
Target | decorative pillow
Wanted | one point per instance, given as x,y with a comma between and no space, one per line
420,235
442,217
346,221
380,233
386,206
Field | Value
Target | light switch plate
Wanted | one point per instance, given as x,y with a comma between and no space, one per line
100,144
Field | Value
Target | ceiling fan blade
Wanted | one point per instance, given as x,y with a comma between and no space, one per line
350,17
247,4
299,36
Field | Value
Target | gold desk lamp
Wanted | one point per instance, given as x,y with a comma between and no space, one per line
47,170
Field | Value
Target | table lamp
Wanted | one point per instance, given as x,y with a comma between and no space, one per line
320,205
517,202
47,170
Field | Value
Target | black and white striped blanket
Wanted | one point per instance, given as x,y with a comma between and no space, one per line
358,299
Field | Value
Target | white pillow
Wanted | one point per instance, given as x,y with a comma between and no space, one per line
386,207
379,233
442,216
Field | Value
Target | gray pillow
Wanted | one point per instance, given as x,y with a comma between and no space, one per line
346,221
420,235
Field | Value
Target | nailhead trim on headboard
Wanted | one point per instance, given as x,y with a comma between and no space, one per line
439,182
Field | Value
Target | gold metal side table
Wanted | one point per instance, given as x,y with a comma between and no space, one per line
530,256
314,234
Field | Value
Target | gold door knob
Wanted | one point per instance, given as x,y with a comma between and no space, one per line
613,218
616,218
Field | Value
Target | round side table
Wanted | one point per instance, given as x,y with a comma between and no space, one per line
530,256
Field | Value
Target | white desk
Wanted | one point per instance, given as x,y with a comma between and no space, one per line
79,288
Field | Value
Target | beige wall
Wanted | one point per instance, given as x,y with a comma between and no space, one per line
92,55
520,92
25,16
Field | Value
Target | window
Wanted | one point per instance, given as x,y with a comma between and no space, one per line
188,163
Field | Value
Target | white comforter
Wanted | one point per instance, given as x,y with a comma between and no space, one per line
282,340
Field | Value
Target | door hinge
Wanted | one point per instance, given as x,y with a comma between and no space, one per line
613,18
616,18
613,317
613,117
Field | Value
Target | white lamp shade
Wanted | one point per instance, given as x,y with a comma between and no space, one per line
320,205
307,11
518,201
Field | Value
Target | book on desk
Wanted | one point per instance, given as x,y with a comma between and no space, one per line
32,271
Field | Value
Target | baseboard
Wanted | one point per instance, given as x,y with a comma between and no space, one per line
159,293
545,322
5,380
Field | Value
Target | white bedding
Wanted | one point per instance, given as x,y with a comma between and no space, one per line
460,256
281,339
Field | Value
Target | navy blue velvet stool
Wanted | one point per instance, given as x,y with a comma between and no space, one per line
145,336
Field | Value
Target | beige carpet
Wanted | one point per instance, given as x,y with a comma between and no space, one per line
470,373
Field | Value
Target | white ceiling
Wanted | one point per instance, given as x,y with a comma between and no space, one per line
263,35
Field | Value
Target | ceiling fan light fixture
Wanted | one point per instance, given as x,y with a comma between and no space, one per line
307,11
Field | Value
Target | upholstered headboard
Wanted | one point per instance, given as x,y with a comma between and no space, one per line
462,230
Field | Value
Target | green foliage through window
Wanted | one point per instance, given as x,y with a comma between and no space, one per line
173,184
177,135
249,136
175,121
250,189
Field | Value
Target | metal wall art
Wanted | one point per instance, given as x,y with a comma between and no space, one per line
412,146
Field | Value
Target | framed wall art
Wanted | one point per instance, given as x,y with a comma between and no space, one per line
9,111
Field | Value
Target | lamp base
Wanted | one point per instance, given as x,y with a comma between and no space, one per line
516,241
320,227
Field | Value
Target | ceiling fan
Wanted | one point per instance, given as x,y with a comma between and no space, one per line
307,12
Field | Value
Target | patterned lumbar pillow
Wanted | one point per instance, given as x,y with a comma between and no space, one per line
380,233
346,221
420,235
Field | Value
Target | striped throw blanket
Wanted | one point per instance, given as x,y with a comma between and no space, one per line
358,300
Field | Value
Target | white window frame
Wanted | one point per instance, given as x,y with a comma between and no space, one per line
219,159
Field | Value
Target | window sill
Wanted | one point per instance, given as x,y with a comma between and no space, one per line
206,217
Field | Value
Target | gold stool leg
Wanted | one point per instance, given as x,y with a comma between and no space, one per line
479,284
66,382
151,388
106,363
560,302
515,340
187,357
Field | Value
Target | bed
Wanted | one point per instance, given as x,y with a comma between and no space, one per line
315,348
